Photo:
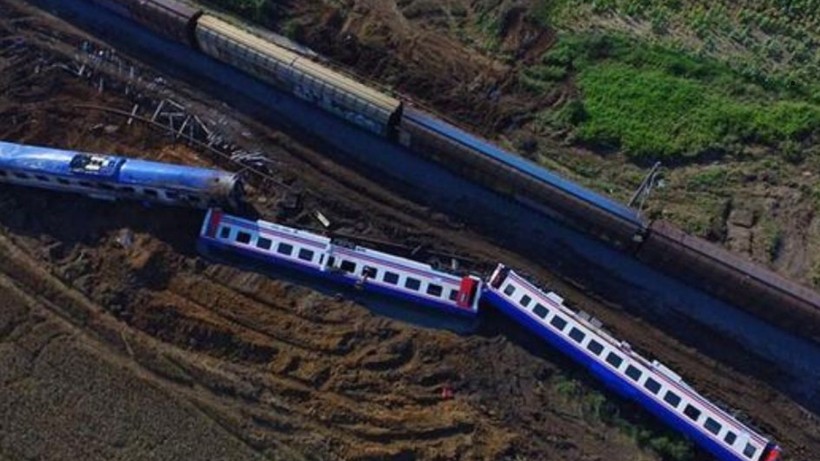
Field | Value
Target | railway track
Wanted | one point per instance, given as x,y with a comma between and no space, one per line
386,367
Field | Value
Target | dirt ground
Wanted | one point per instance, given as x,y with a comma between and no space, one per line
118,342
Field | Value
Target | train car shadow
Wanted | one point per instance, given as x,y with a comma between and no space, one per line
72,220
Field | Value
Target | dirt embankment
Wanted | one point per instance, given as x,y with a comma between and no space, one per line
113,323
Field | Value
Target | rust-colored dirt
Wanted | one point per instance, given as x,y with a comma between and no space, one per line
118,342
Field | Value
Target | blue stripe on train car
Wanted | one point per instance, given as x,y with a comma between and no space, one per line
611,379
207,243
449,131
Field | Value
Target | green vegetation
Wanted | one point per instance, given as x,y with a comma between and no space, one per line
595,406
655,102
256,10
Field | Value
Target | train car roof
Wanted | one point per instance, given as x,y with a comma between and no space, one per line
432,123
125,171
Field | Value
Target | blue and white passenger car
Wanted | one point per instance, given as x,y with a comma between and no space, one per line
650,383
110,177
367,269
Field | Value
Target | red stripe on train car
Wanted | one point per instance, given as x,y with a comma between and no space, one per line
213,224
466,292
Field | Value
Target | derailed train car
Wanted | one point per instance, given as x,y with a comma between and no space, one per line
660,390
786,304
110,177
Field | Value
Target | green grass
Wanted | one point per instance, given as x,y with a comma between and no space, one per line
654,114
657,102
595,406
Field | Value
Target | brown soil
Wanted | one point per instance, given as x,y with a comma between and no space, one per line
119,342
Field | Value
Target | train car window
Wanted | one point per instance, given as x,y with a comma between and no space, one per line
263,243
370,272
434,290
171,195
558,322
105,186
652,386
151,193
306,255
3,173
509,290
712,426
41,178
86,184
540,310
614,359
453,295
127,190
749,451
595,347
348,266
21,175
64,182
285,249
633,373
525,301
577,335
730,438
412,284
671,398
391,278
225,232
243,237
692,412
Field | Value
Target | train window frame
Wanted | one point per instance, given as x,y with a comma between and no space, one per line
348,266
672,398
105,186
712,425
412,284
453,294
86,184
525,300
652,386
730,438
41,178
284,248
391,278
125,189
370,272
63,181
243,237
633,372
540,311
509,290
151,192
434,290
225,232
21,175
614,359
577,335
750,451
171,195
692,412
264,243
559,322
595,347
306,255
3,173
